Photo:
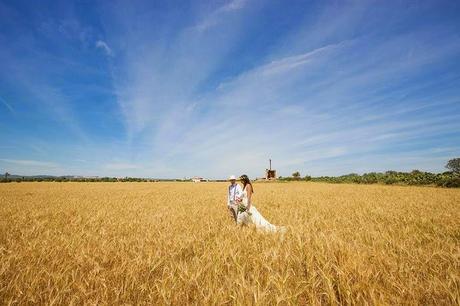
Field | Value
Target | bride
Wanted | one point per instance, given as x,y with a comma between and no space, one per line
248,213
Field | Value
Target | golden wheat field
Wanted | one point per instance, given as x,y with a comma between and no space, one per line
174,243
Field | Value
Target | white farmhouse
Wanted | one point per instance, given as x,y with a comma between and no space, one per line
197,179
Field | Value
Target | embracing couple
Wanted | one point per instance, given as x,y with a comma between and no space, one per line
241,208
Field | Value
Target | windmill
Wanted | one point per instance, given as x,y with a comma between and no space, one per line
270,174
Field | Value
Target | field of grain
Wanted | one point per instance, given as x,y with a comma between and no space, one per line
174,243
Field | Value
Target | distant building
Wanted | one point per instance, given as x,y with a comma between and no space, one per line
270,174
197,179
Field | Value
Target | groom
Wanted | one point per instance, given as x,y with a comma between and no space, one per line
234,193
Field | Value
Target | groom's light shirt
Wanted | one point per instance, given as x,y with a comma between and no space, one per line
234,192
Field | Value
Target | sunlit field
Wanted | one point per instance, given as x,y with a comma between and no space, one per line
174,243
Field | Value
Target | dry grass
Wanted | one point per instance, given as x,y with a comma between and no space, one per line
173,243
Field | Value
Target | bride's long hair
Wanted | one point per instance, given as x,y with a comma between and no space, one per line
246,181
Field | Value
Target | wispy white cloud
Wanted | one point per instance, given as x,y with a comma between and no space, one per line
103,46
212,19
7,105
157,75
233,5
121,166
40,92
33,163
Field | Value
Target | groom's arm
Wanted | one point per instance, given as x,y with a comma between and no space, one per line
228,196
239,191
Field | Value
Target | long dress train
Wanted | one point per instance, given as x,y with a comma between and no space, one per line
255,217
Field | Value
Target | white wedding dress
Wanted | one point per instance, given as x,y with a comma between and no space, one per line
255,217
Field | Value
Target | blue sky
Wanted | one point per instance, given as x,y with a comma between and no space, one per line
213,88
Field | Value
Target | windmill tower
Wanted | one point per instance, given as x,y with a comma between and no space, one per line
270,174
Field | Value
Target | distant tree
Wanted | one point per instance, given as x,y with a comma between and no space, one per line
6,175
296,175
454,165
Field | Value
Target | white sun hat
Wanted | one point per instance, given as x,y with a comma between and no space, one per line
232,177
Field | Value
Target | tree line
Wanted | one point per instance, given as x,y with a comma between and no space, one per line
449,178
18,179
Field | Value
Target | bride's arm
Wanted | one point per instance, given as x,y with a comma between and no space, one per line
249,191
